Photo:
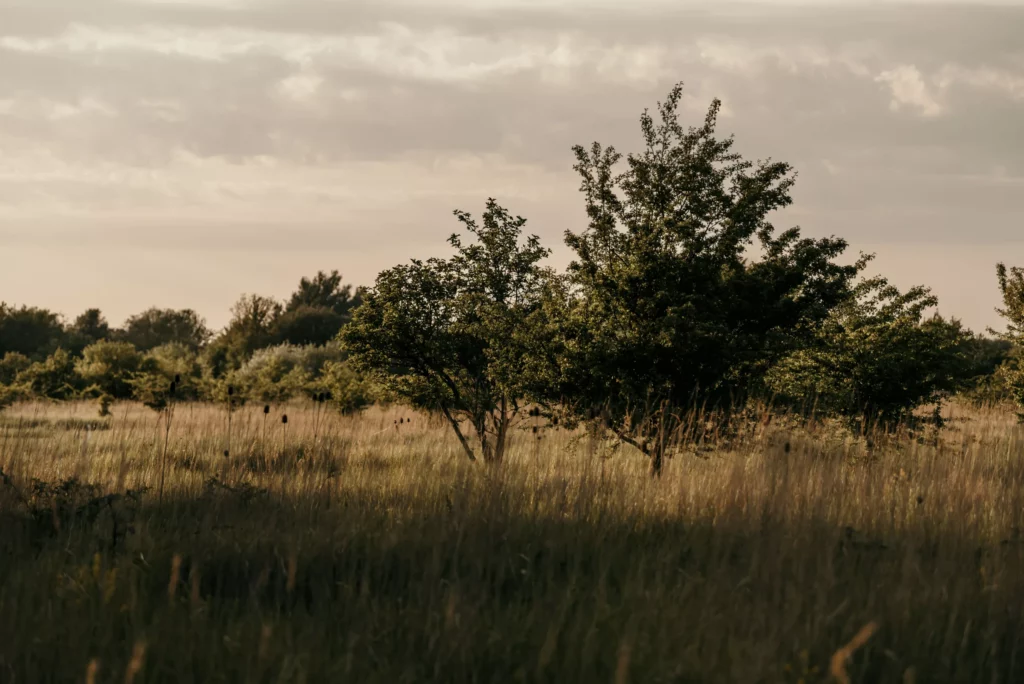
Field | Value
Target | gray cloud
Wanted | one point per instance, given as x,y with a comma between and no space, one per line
180,126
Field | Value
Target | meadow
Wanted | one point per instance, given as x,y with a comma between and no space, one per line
369,549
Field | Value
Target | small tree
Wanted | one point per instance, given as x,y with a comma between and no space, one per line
11,365
876,358
110,367
448,334
54,378
253,319
1011,286
666,309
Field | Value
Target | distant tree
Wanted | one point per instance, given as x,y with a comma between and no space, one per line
449,335
54,378
168,366
11,365
308,325
252,327
346,389
876,358
31,331
109,367
666,309
92,325
155,327
88,328
325,291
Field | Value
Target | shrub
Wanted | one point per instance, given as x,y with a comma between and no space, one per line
875,358
110,366
347,390
12,364
54,378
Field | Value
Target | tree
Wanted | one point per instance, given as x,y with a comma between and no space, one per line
90,327
666,309
449,334
876,358
11,365
308,325
54,378
110,367
31,331
253,318
155,327
1011,286
325,291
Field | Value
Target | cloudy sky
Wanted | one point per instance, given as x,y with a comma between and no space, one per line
180,153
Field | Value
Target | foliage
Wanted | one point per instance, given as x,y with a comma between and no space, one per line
876,358
110,366
1011,375
1011,287
54,378
251,328
276,374
30,331
308,325
347,390
11,365
155,327
448,334
90,327
325,291
665,307
171,371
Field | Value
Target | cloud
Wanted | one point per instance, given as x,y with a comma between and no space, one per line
145,123
909,90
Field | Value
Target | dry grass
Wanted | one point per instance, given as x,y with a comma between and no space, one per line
376,553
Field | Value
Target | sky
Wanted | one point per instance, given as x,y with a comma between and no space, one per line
178,154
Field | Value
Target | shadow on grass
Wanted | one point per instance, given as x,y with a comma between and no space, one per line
480,583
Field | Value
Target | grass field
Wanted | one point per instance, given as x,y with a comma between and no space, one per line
368,549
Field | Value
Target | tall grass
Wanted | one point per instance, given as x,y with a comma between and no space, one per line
368,549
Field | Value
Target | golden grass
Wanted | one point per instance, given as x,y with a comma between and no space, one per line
375,552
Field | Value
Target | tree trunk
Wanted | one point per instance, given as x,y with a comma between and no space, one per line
458,433
657,459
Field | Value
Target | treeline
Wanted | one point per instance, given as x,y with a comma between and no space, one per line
682,305
270,351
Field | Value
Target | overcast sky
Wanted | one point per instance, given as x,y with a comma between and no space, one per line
180,153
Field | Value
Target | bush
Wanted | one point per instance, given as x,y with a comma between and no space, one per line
12,364
54,378
875,359
347,390
110,366
276,374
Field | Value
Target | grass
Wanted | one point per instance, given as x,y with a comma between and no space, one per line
377,553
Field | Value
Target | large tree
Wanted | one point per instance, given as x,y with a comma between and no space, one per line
31,331
450,334
682,293
156,327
